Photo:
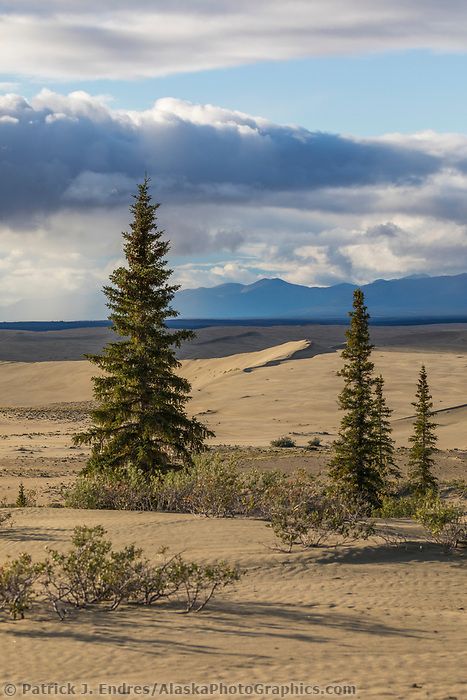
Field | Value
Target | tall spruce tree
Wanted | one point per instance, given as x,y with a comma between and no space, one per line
353,467
383,442
140,426
423,439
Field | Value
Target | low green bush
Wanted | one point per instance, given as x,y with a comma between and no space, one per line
212,486
283,441
198,583
459,486
100,492
396,507
304,513
18,579
259,490
91,573
445,523
5,516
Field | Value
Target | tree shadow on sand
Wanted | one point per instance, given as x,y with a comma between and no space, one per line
382,553
30,534
149,630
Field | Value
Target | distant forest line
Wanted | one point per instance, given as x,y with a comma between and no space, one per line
207,323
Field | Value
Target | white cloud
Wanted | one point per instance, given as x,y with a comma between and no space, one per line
242,198
117,39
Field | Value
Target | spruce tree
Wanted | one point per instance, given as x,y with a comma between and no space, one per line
22,499
423,440
140,426
383,442
353,467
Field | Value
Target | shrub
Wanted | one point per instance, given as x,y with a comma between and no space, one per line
17,585
259,490
290,503
283,441
313,444
198,583
211,487
92,573
99,492
393,507
396,507
445,523
305,514
459,486
155,582
5,516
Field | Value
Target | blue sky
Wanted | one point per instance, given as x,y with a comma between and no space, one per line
316,140
364,95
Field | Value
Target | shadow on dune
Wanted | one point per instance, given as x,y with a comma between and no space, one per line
410,551
149,630
138,629
30,534
284,620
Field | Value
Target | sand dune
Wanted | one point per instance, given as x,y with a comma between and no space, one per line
202,373
351,616
299,396
329,616
42,383
251,398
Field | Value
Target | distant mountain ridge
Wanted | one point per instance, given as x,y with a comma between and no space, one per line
418,299
409,297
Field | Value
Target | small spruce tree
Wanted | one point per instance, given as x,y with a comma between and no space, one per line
383,442
353,467
140,426
22,499
423,440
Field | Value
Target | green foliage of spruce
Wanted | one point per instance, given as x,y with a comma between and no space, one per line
383,442
140,426
353,466
423,439
22,499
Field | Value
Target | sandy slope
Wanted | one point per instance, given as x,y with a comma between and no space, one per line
251,398
385,620
389,621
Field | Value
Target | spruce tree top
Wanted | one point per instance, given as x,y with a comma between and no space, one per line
143,283
358,367
358,347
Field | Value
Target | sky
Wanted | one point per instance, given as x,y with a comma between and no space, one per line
319,141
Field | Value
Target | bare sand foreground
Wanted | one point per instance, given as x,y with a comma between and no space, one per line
389,621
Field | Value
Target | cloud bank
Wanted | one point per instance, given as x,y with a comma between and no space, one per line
146,39
242,197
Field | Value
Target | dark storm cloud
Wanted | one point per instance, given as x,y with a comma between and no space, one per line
75,152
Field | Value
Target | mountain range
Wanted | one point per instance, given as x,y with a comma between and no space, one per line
405,298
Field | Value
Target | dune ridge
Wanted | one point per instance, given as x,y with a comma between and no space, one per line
252,398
